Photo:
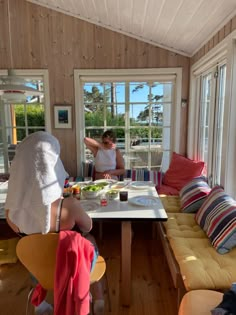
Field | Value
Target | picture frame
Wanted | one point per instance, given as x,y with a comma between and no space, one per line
62,117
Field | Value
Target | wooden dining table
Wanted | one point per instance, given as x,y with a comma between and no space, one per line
143,204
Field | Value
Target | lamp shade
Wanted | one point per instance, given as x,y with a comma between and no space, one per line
13,97
15,89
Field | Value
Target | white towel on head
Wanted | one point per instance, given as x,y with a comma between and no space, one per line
37,178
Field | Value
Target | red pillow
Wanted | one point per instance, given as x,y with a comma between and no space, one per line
181,171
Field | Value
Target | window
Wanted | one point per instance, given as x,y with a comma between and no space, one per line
20,119
139,111
211,107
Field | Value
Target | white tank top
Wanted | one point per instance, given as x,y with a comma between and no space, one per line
105,160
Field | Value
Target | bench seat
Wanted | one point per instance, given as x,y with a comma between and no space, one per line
183,225
193,262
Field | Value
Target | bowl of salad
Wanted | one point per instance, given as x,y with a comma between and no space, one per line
112,194
91,191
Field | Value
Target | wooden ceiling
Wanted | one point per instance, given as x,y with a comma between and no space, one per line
182,26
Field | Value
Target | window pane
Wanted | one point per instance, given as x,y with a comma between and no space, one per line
115,115
156,137
115,92
137,112
204,116
139,92
93,93
35,115
219,124
94,115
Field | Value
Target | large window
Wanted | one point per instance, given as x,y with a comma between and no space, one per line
139,111
211,107
21,118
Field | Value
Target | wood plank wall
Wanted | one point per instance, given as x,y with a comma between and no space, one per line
45,39
216,39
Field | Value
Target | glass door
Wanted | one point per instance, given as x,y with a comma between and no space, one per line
211,112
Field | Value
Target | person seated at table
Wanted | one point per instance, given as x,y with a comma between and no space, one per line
109,163
34,202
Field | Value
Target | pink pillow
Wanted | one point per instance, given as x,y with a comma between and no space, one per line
181,171
167,190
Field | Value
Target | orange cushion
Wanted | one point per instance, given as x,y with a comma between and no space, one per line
181,171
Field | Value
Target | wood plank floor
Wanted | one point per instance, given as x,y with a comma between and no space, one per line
152,288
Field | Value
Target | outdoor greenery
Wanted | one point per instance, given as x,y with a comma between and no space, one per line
32,115
96,111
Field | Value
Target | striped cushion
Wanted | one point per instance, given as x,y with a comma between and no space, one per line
193,195
217,217
144,175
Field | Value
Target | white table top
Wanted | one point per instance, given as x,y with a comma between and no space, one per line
128,211
115,209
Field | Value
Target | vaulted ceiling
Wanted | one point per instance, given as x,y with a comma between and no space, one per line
182,26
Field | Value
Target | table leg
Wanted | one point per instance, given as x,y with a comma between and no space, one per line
126,238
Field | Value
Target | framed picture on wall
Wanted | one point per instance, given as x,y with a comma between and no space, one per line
62,116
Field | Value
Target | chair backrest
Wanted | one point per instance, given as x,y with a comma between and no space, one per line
37,252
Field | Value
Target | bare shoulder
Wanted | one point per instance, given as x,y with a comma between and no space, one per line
71,203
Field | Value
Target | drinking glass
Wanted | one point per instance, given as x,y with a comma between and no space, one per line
123,195
127,180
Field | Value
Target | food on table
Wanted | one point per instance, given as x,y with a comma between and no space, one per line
102,184
95,187
118,186
112,194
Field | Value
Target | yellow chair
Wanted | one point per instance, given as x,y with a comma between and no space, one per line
199,302
37,252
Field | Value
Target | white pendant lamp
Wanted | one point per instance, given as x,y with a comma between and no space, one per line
14,89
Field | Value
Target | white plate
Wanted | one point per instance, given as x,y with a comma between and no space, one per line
144,200
118,185
109,181
141,185
89,205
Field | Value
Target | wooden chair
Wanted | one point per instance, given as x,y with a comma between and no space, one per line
37,252
199,302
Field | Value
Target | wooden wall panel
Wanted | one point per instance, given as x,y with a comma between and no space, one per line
4,36
46,39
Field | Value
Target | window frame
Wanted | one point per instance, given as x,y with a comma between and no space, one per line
112,75
225,49
42,73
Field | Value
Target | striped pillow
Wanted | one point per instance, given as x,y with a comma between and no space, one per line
193,194
217,217
144,175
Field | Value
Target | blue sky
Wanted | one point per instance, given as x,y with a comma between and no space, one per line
137,97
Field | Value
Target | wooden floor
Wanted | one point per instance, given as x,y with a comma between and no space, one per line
152,289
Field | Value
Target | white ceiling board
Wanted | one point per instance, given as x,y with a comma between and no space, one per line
139,15
203,27
179,25
164,21
182,22
101,12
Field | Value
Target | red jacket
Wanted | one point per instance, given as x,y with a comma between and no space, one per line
72,275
